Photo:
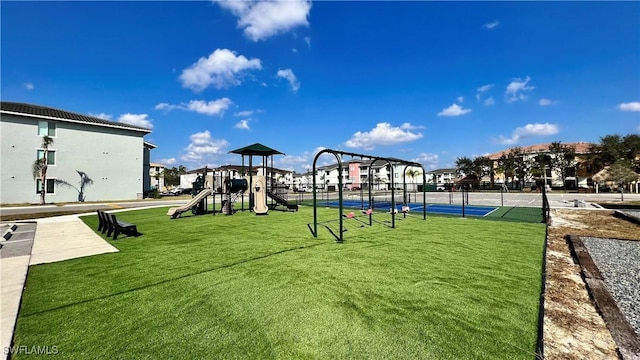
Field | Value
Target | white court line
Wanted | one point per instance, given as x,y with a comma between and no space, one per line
490,212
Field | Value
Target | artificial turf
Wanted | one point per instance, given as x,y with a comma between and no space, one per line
247,286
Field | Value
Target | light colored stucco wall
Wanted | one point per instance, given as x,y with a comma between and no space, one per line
112,158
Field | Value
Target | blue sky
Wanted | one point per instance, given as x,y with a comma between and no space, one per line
421,81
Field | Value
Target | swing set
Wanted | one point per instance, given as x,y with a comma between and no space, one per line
391,162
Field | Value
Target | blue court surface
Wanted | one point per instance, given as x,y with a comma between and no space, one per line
469,210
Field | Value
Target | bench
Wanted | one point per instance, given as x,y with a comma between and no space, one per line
103,223
110,224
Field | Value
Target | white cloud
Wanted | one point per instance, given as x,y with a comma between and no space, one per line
245,113
490,101
292,160
307,40
202,145
516,88
214,107
263,19
222,69
529,130
242,124
28,86
382,134
166,107
409,126
482,89
170,161
547,102
291,77
454,110
630,106
428,160
460,99
102,116
141,120
491,25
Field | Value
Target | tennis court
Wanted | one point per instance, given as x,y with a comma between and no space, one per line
469,210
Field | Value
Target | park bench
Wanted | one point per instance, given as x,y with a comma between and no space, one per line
110,224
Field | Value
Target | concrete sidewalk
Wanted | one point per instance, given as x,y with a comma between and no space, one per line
55,239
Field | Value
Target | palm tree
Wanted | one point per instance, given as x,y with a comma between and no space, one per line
39,167
464,165
413,174
379,180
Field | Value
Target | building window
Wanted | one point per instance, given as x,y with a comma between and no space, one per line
51,156
50,186
46,128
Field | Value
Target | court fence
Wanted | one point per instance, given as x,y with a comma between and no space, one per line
495,205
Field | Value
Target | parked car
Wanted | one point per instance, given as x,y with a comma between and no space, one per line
179,191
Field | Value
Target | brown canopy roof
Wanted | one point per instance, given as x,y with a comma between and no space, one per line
256,149
469,179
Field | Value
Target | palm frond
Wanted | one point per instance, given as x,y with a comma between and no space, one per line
36,168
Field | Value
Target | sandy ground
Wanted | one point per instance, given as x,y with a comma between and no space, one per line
573,329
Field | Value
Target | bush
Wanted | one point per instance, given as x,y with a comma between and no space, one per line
154,194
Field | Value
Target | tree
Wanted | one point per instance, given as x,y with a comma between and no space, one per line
85,180
615,147
591,163
631,144
413,174
39,167
483,166
464,166
539,164
621,173
563,160
521,166
506,165
172,175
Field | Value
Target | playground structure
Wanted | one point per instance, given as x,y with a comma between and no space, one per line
393,210
264,186
198,204
230,190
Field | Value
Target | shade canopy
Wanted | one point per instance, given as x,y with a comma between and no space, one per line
256,149
468,179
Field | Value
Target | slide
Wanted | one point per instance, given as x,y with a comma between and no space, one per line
176,211
282,201
259,198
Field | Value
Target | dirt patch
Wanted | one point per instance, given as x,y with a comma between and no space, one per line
573,329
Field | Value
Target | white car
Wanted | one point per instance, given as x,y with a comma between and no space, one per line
179,191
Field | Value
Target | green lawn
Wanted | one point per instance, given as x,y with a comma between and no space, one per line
255,287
